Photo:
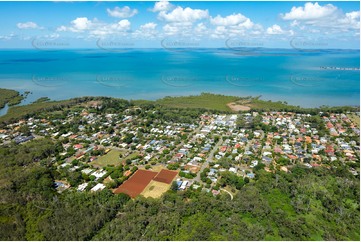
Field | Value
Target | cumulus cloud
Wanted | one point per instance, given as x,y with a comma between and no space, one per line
162,6
148,26
350,20
180,14
147,30
183,29
111,29
275,29
326,16
125,12
229,20
81,24
310,12
95,27
234,25
77,25
27,25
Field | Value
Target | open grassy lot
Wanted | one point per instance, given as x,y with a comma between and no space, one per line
155,189
158,168
112,158
131,156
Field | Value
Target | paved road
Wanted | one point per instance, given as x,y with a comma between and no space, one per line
209,159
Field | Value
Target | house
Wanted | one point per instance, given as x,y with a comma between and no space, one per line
184,185
82,187
233,169
77,146
21,139
98,187
254,163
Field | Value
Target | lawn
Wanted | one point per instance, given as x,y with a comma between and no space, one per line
155,189
112,158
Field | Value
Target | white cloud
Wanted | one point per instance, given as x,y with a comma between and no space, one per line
81,24
124,24
8,37
275,29
27,25
96,28
147,30
200,29
350,20
326,19
233,19
182,29
162,6
111,29
183,15
77,25
125,12
234,25
310,12
148,26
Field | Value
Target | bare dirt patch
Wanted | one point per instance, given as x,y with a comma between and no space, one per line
238,107
165,176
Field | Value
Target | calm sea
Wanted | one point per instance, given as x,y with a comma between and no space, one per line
302,78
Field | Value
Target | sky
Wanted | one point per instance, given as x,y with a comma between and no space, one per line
180,24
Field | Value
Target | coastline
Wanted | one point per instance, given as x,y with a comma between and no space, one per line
210,101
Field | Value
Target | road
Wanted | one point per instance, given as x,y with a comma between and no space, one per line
209,159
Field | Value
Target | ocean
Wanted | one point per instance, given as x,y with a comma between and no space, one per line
305,78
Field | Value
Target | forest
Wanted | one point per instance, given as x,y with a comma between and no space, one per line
10,97
305,204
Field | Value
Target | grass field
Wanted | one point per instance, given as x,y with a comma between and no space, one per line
155,189
132,156
158,168
112,158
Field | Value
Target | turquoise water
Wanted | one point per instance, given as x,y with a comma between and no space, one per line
286,75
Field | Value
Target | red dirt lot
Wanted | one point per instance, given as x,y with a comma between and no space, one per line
165,176
136,183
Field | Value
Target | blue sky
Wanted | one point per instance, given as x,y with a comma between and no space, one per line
179,24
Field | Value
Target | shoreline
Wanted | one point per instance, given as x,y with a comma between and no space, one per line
239,104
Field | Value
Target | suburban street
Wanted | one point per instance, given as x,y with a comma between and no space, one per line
209,159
